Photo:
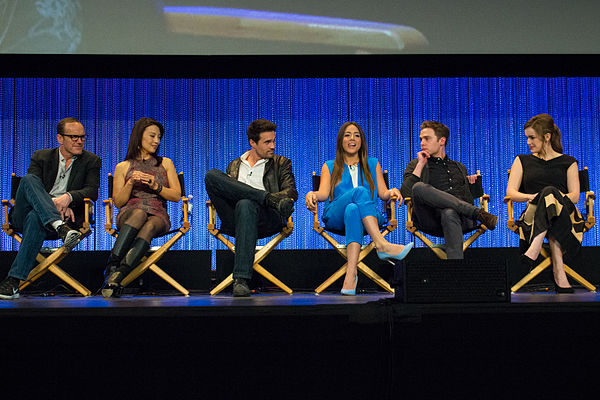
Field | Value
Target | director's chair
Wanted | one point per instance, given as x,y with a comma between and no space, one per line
590,221
49,263
261,252
476,190
365,250
149,262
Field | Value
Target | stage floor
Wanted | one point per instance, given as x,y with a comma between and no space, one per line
274,304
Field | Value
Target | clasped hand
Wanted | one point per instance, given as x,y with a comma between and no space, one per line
62,206
147,179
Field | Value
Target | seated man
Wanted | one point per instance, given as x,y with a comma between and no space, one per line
439,187
254,198
49,197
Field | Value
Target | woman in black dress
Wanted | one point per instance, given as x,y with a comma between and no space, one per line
549,182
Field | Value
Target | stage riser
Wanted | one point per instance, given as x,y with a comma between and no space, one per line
299,269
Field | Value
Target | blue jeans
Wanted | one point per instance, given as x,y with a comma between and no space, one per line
34,210
441,214
243,214
345,213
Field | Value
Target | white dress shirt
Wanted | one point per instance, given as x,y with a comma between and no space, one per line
252,176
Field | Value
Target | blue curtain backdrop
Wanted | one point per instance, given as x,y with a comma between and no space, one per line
206,120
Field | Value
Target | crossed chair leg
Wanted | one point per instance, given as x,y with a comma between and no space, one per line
50,264
545,264
149,263
361,267
258,257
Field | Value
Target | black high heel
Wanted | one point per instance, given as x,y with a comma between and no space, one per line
560,289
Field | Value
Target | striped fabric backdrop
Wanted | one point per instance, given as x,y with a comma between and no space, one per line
206,120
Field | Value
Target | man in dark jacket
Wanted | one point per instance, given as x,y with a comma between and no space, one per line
49,201
439,187
253,199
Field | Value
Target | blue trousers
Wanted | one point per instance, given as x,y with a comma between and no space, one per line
34,210
345,213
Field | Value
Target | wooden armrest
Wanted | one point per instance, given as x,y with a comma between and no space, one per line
212,215
589,206
185,207
108,204
88,203
510,223
392,209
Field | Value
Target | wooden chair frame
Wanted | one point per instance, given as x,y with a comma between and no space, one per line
365,250
590,221
149,262
484,200
49,263
260,254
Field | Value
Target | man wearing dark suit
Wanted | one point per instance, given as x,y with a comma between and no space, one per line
49,200
253,199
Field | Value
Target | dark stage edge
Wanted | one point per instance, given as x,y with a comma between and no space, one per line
301,346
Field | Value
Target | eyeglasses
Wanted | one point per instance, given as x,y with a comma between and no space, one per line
74,137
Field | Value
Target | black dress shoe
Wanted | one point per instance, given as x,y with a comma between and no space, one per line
284,206
240,288
559,289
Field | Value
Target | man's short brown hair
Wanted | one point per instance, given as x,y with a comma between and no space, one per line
60,127
259,126
440,129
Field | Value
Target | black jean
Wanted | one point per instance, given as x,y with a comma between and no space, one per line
441,214
243,214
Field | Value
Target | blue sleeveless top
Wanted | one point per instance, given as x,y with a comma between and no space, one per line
345,185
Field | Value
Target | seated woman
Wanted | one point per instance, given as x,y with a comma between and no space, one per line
549,182
142,184
350,184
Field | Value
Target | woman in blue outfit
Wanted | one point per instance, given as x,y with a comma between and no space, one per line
349,184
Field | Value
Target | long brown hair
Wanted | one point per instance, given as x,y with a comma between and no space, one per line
135,139
338,164
542,124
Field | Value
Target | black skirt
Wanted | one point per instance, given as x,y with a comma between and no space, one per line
552,211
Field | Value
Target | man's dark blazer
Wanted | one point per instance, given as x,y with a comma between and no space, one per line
84,180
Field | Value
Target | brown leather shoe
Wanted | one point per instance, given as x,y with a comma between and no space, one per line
487,219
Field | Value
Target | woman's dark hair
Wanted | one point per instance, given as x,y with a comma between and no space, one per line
542,124
338,164
135,139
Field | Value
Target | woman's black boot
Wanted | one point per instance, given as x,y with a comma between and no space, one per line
131,260
123,243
